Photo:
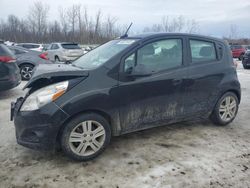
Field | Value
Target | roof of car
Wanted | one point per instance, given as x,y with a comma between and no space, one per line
19,48
153,35
64,43
28,44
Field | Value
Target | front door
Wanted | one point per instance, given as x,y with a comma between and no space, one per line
152,99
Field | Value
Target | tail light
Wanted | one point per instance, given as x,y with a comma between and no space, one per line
7,59
44,56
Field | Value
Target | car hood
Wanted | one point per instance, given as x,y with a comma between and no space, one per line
45,74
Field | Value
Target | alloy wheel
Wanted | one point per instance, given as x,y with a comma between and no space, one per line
87,138
26,72
228,108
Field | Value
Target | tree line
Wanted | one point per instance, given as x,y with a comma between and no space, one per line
76,25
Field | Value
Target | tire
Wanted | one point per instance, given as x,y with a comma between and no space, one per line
245,67
78,143
229,112
57,60
26,71
241,57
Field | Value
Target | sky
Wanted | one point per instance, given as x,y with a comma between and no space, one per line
213,16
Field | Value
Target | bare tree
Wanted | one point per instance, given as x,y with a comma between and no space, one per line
37,17
72,14
176,24
63,21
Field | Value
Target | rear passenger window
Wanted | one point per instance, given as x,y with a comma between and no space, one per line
202,51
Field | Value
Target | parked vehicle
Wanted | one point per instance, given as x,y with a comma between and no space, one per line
9,71
126,85
246,60
31,46
65,52
27,60
238,51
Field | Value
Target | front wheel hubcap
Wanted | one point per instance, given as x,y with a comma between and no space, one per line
228,108
87,138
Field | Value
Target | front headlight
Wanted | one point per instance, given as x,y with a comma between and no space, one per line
44,95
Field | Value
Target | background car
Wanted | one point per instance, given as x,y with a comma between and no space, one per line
246,60
9,71
64,52
28,59
31,46
238,51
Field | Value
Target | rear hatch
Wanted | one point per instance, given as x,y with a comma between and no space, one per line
72,49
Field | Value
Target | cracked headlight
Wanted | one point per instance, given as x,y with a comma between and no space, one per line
44,96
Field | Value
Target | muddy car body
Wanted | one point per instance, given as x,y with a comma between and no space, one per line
148,81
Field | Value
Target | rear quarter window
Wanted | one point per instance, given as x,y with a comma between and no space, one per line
202,51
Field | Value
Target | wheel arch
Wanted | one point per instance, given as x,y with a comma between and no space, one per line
26,63
237,93
56,56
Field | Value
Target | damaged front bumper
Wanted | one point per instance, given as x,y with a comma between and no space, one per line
37,129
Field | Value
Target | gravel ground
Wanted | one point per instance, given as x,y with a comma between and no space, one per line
194,154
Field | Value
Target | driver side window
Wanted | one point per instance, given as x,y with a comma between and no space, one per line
156,56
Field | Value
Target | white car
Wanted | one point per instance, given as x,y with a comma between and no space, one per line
64,52
31,46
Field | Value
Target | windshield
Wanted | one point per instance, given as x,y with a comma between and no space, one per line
102,54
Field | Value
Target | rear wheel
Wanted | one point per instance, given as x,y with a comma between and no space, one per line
57,60
245,67
226,109
85,137
26,71
241,57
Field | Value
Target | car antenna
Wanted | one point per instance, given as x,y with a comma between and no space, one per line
126,33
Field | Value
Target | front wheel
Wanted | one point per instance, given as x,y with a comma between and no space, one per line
85,137
226,109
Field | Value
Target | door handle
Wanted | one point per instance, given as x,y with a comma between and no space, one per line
177,81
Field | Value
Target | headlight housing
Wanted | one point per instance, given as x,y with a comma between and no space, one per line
44,95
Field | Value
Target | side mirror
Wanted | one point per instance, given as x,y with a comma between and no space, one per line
139,70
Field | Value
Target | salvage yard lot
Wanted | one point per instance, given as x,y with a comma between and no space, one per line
189,154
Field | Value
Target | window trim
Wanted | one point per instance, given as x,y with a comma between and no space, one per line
135,50
206,61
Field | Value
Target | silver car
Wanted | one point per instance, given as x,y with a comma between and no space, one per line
64,52
31,46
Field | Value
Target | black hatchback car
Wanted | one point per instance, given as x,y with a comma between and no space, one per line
9,71
125,85
246,60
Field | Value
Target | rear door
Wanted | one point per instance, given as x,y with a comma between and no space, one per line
157,98
206,71
73,50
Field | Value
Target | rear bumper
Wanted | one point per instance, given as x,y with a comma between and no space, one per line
68,58
38,129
